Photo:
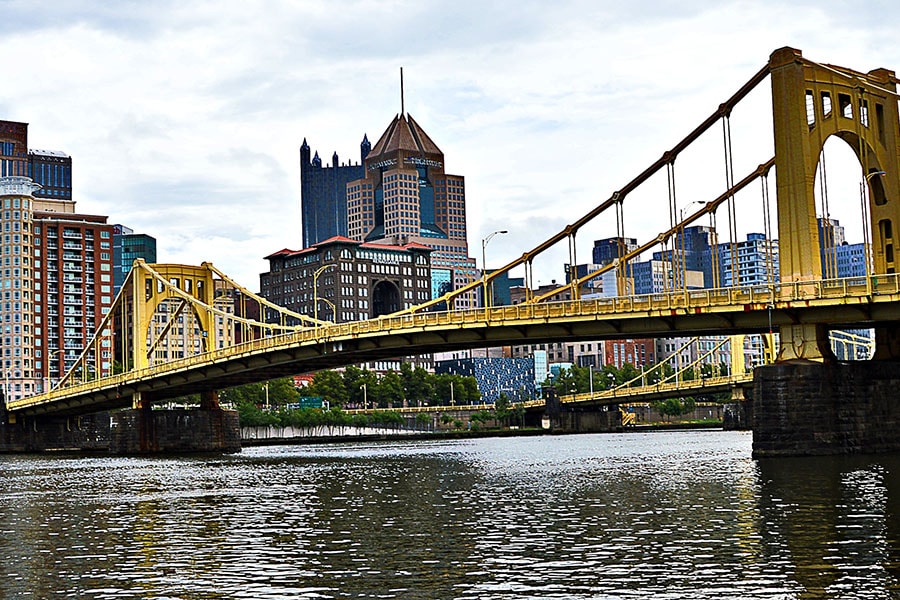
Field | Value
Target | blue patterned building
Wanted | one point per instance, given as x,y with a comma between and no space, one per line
512,376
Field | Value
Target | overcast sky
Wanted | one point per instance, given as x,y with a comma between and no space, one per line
184,118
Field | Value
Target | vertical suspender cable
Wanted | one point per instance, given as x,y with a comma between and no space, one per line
827,228
669,275
732,213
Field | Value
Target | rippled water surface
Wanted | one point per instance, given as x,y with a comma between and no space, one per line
662,515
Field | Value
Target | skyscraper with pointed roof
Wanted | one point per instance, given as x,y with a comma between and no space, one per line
323,189
405,196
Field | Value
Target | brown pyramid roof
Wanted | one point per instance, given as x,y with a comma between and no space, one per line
404,134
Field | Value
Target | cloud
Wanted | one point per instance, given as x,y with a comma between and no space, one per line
184,119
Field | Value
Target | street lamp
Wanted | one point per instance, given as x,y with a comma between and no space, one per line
591,379
50,366
687,206
318,272
484,243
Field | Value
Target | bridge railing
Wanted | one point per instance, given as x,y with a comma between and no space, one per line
693,385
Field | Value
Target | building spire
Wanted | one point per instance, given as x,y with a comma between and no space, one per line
402,106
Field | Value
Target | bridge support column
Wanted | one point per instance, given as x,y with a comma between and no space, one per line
811,408
738,412
45,433
805,342
148,431
209,400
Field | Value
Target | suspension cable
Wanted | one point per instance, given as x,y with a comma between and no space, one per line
732,210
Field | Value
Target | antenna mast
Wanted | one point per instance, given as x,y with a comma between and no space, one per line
402,106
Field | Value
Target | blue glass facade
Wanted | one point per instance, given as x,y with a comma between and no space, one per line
52,170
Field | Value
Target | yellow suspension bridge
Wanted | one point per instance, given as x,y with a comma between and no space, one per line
179,329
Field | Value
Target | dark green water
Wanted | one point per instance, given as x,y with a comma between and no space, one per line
661,515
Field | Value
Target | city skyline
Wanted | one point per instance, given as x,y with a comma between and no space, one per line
172,114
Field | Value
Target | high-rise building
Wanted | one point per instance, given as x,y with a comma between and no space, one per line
57,285
73,287
607,250
405,196
22,361
127,247
751,262
52,170
323,194
342,280
13,149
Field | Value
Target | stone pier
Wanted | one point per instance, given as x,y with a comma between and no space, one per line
146,431
49,433
816,408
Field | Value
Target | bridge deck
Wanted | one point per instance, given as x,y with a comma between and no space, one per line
859,302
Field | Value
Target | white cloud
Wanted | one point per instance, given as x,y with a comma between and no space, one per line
184,119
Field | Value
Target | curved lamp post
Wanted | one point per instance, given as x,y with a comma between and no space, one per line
318,272
484,243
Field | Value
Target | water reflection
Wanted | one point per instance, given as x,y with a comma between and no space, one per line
667,515
836,522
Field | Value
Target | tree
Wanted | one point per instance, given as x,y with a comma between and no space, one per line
282,391
501,408
417,384
330,386
470,385
390,390
360,383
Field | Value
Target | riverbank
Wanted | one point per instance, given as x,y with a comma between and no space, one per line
457,434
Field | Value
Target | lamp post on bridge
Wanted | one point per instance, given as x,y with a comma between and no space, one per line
318,272
484,243
49,382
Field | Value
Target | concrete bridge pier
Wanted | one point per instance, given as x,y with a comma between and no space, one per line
565,419
145,430
54,433
806,407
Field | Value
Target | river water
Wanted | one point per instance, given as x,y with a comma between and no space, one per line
637,515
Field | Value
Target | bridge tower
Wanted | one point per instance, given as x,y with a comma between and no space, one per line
812,102
808,402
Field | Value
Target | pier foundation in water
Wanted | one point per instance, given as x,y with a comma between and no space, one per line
816,408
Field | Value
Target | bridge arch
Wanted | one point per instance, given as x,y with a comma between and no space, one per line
186,284
811,103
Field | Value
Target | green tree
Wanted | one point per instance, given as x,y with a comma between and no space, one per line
282,391
629,372
390,390
330,386
518,412
470,385
501,408
417,384
423,420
